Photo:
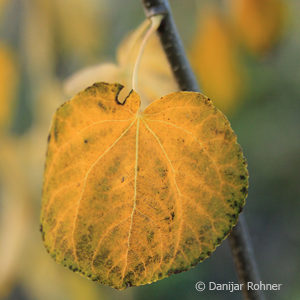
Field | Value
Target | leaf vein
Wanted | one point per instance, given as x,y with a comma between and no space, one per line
135,191
176,186
85,182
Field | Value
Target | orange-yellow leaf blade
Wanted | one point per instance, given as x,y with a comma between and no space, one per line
130,198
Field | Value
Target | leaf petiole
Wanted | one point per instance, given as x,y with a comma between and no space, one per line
155,23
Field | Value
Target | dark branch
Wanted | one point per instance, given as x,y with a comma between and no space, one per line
243,257
172,45
239,241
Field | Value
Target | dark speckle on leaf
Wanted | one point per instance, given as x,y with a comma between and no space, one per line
172,215
100,104
150,237
244,190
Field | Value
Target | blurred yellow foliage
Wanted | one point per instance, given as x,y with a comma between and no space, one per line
8,85
258,23
54,29
14,212
77,24
215,61
2,5
155,77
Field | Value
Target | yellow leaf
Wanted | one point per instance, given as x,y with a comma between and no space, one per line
131,197
155,76
215,61
259,23
8,85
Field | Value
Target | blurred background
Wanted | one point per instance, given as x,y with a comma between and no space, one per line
246,55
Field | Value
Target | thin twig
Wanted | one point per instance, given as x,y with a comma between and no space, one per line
239,241
243,257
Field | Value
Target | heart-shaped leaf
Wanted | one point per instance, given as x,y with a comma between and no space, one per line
131,197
